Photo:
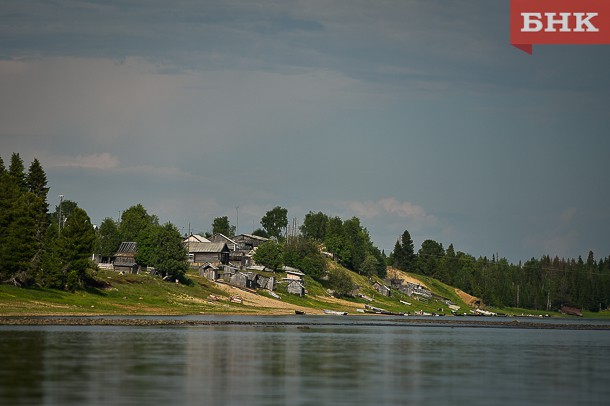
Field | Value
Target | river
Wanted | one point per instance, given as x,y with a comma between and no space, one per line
307,361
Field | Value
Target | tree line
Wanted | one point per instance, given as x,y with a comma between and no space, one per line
55,250
34,249
542,284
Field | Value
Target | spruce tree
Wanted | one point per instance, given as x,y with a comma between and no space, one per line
36,181
76,244
404,254
17,171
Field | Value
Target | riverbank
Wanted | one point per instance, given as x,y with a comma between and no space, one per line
302,322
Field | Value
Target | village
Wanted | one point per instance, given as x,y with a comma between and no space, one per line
229,261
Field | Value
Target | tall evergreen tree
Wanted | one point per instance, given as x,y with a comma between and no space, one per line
36,181
428,258
76,244
404,254
17,171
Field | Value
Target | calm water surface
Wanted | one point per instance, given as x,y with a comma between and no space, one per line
303,365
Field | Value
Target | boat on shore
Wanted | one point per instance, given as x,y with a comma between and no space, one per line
334,312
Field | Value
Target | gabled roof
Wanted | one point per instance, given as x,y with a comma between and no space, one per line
291,270
207,247
127,248
224,237
252,236
195,238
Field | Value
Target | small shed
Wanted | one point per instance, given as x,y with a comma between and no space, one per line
381,288
239,279
125,258
209,271
295,287
265,282
293,273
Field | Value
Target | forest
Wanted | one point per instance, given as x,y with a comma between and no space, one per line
54,249
542,284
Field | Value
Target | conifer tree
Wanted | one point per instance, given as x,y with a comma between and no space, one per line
17,171
76,244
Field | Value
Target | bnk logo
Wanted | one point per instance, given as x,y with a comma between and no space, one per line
559,22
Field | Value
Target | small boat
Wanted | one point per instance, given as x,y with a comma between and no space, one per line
334,312
299,312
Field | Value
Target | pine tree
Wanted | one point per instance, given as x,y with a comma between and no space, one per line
36,181
404,254
17,171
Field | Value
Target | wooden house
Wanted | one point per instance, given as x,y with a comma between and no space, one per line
381,288
125,258
293,273
248,242
201,253
195,238
209,271
296,287
218,237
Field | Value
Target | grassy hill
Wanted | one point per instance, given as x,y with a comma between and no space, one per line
147,295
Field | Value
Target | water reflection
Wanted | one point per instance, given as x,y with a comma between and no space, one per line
296,365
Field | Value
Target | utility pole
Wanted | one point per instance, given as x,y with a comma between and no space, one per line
237,221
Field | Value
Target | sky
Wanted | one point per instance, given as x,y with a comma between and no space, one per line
412,115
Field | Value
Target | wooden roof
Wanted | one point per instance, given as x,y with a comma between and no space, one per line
206,247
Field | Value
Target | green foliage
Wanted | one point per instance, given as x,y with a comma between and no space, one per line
341,282
274,221
135,222
305,255
403,256
269,254
260,232
314,226
22,221
428,258
75,247
223,226
108,238
17,172
369,266
169,256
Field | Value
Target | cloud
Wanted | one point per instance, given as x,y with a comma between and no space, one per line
391,206
110,163
567,215
100,161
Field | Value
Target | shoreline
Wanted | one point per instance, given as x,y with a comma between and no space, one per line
151,321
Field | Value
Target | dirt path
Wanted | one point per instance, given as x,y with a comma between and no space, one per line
271,306
468,299
404,276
